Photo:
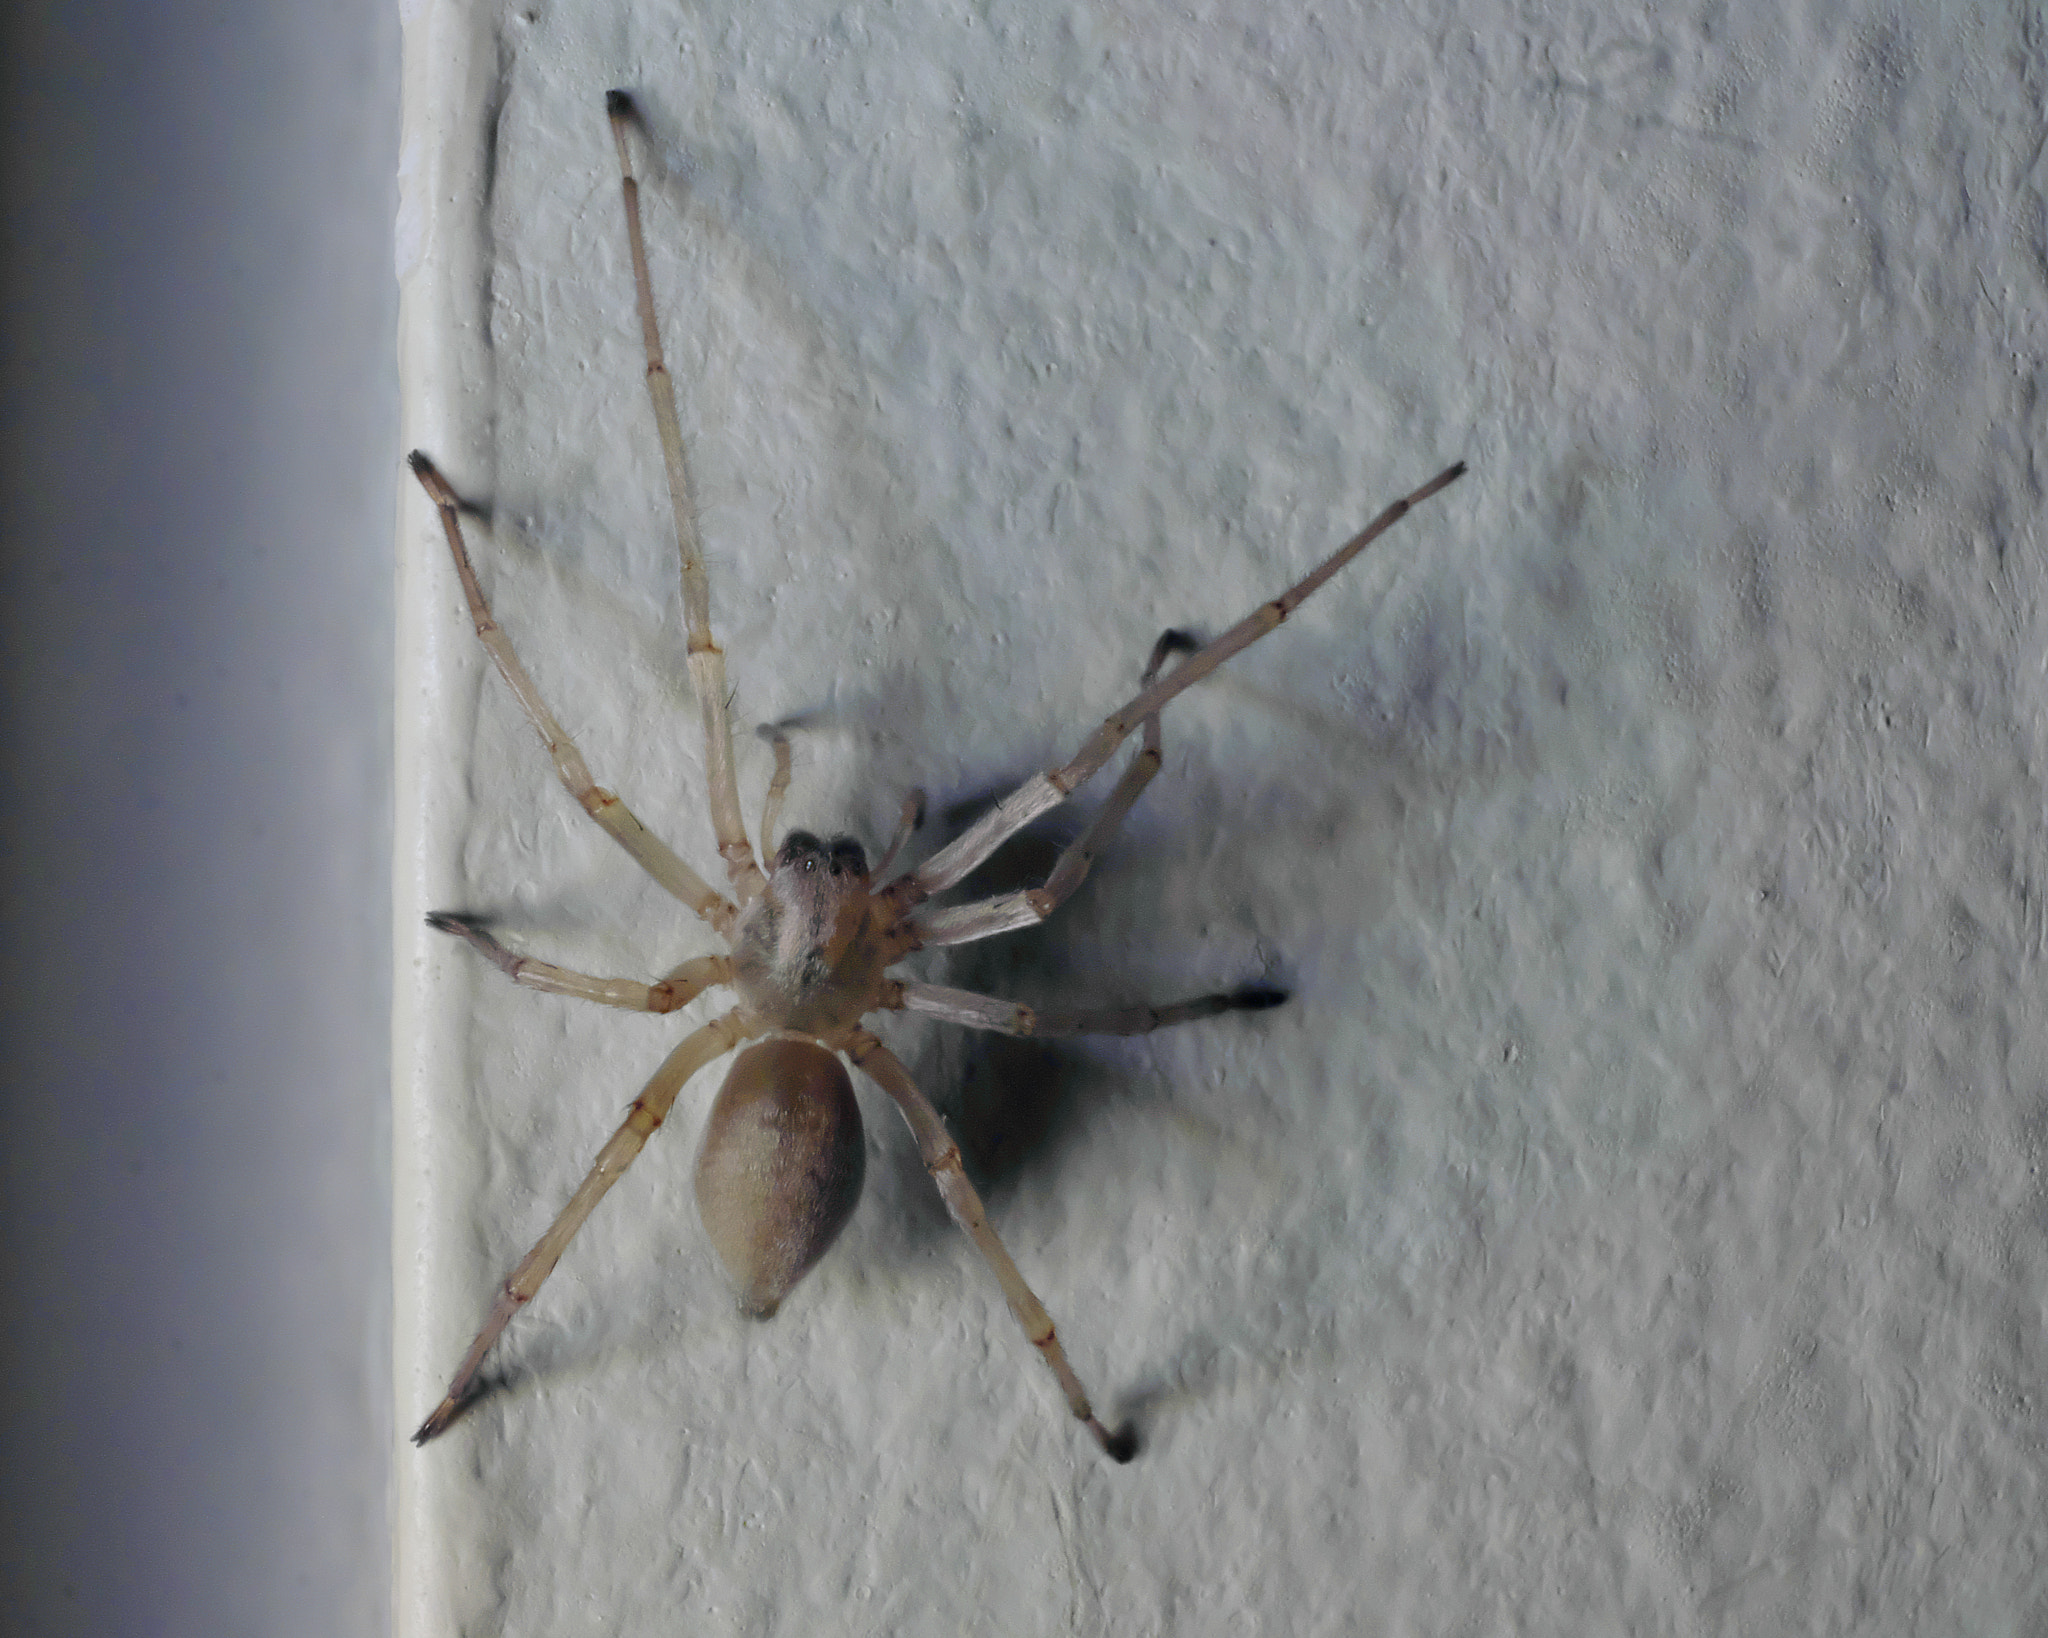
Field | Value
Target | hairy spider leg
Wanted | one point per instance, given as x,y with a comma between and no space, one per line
648,1111
649,851
706,659
1043,792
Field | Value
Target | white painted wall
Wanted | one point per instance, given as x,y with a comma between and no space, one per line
1636,1221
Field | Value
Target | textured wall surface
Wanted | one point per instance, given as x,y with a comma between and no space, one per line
1636,1220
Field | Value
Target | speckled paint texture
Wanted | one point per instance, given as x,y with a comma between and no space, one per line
1636,1220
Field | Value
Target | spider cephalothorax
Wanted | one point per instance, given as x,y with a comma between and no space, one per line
811,941
808,951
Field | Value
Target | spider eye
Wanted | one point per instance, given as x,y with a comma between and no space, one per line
848,857
799,849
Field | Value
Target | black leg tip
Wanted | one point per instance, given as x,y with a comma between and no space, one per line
1122,1445
450,1411
439,1423
450,921
618,105
1258,997
1170,642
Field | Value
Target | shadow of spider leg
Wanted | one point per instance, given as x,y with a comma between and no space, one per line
941,1156
642,1120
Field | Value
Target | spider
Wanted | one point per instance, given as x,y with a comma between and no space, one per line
812,937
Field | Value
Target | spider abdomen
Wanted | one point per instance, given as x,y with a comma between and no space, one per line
779,1168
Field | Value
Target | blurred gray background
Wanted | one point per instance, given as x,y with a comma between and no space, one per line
195,625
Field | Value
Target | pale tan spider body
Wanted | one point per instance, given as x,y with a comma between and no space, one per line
808,955
812,938
780,1167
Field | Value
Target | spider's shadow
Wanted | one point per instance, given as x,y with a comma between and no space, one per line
1012,1103
1019,1106
1015,1105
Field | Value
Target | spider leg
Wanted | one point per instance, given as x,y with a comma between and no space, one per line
707,661
777,735
1006,912
714,1040
674,990
910,821
1047,790
991,1012
649,851
984,918
941,1157
778,786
